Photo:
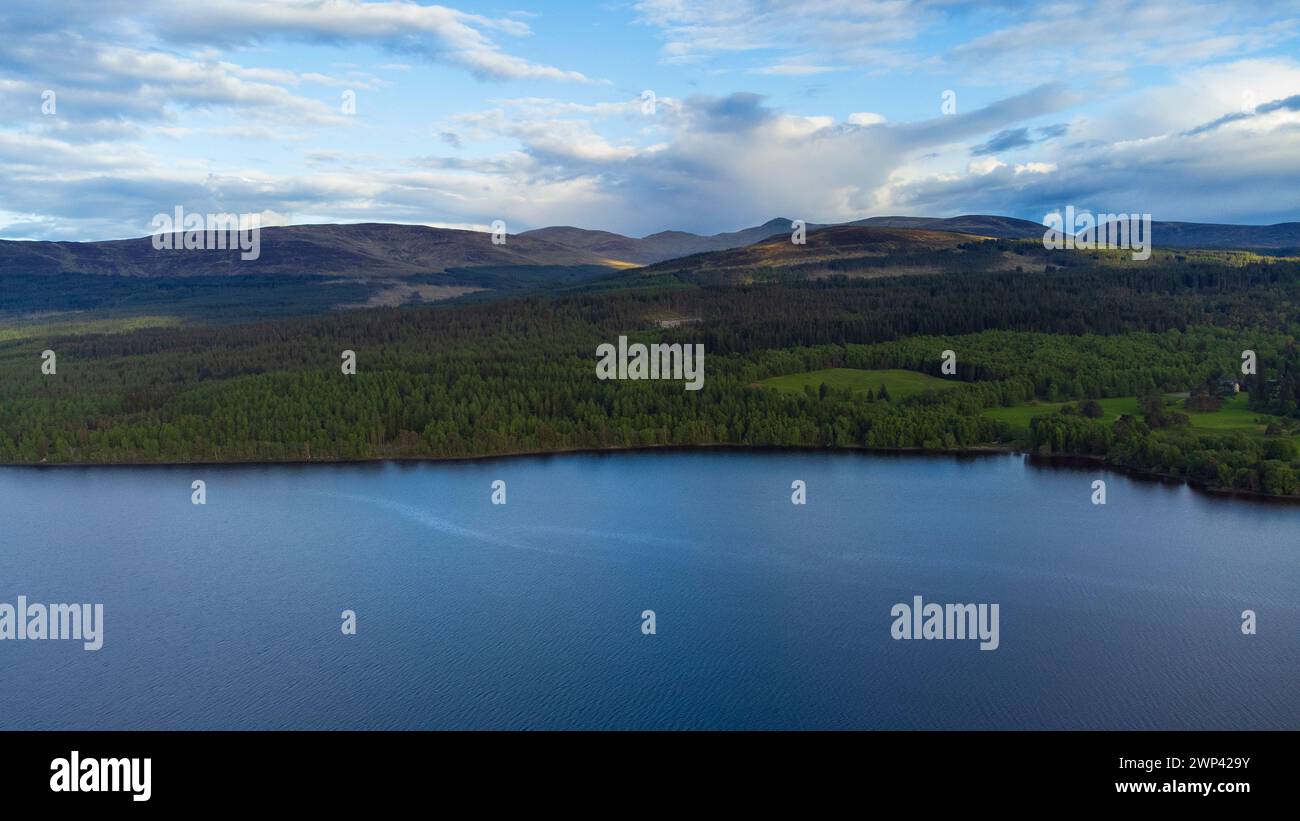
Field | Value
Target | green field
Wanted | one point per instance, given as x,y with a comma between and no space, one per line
900,384
1018,416
78,325
1233,417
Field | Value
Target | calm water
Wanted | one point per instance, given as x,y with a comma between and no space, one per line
528,615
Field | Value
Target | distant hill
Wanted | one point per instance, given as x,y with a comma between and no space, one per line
661,246
378,251
1283,238
385,251
669,245
895,246
979,224
850,250
367,251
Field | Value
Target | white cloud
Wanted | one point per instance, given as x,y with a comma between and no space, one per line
1102,38
985,165
434,32
133,78
1035,168
866,118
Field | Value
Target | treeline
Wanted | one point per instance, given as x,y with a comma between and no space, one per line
209,298
1234,461
1275,385
1098,301
518,375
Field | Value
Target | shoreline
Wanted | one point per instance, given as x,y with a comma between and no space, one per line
1061,460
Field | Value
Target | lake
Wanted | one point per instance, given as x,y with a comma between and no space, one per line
529,615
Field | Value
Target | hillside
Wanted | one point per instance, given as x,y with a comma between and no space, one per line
318,268
979,224
1282,238
367,251
660,246
669,245
385,251
834,250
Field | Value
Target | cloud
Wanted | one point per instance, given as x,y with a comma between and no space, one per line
984,167
741,111
1213,176
717,163
436,33
1112,36
1291,103
158,106
854,32
794,69
1005,141
1013,138
1010,40
115,60
732,160
96,84
866,118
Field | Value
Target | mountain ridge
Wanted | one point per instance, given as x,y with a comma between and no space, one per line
364,250
397,251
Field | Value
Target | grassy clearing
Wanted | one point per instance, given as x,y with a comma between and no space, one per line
1233,417
900,384
1018,416
78,326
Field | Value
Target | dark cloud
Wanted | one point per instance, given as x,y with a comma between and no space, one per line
1044,99
1019,138
1216,178
1004,141
736,112
1291,103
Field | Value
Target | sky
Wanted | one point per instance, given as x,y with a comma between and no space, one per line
638,117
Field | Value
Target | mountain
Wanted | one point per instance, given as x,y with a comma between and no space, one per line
602,243
851,250
979,224
309,269
904,246
1283,238
657,247
378,251
367,251
667,245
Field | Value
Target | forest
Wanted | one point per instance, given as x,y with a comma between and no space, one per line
516,374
